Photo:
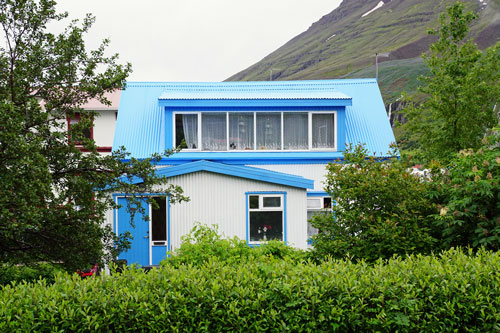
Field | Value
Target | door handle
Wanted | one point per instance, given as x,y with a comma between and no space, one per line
146,237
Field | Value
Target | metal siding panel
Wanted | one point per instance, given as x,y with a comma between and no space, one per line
316,172
221,200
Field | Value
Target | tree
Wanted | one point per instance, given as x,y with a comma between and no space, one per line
381,209
53,197
469,213
463,90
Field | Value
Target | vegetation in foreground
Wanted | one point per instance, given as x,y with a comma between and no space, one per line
50,210
268,288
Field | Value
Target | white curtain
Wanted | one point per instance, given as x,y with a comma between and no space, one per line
190,127
241,131
295,131
269,130
213,129
323,135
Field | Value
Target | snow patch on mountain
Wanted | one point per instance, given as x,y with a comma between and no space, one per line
380,4
330,37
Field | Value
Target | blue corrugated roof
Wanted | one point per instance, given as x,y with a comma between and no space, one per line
237,171
251,90
140,126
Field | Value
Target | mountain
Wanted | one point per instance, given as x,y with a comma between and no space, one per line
343,43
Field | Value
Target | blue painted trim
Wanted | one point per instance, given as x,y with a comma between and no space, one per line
168,130
256,157
251,161
237,171
244,108
172,103
285,233
317,194
115,220
341,137
265,192
142,194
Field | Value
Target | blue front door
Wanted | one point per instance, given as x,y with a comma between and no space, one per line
139,252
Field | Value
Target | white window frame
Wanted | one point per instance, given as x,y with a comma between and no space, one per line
198,115
267,209
162,242
255,150
320,209
335,131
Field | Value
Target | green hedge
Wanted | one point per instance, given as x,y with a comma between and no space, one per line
453,291
14,273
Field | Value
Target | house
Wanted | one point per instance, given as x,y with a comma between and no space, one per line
253,158
103,125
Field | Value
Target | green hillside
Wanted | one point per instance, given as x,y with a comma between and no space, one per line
343,43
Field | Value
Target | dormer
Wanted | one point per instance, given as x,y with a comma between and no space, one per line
252,123
254,117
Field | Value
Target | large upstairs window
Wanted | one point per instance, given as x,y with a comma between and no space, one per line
255,131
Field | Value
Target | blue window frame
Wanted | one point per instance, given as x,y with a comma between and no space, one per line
254,131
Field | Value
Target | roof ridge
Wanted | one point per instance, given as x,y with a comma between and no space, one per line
254,84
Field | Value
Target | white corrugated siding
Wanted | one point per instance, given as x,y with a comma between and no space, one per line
219,199
316,172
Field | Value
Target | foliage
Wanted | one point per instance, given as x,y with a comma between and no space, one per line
381,209
463,90
204,243
470,209
454,291
14,273
49,208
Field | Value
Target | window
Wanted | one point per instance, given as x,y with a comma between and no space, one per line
268,130
315,206
295,130
265,217
159,222
255,131
323,130
87,133
241,131
186,131
213,131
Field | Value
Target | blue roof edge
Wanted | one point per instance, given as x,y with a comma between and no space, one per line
264,83
236,171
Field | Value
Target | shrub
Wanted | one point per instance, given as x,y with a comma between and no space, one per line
381,209
469,213
455,291
204,243
13,273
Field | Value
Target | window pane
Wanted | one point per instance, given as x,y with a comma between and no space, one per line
240,130
85,132
254,201
213,129
295,130
268,131
323,135
327,203
159,220
314,203
186,128
311,231
271,201
266,226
